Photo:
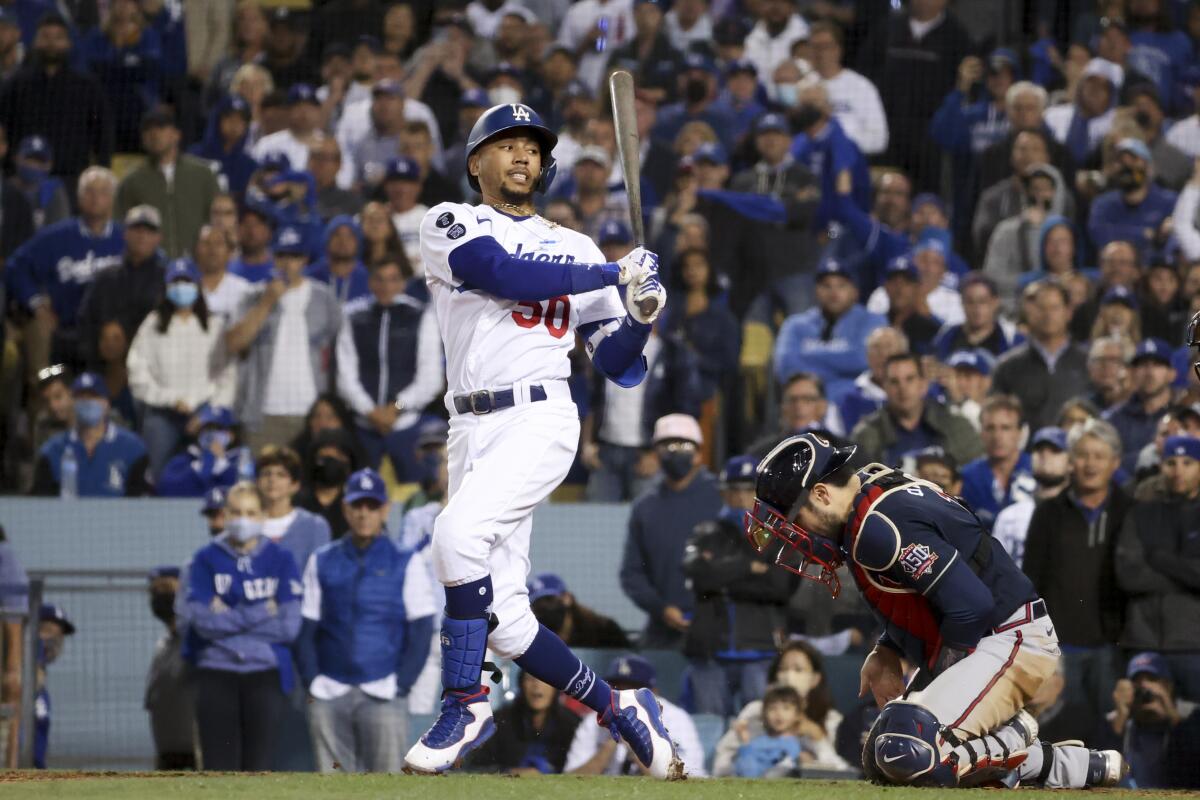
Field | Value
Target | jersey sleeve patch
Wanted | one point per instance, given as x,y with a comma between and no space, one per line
445,227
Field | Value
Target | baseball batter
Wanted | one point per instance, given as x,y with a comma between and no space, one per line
510,290
950,600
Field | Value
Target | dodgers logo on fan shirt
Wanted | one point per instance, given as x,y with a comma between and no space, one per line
456,232
917,559
444,219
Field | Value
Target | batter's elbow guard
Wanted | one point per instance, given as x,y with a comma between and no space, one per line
903,748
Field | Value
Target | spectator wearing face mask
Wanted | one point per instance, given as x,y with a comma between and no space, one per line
660,524
213,461
331,459
177,363
53,628
94,458
44,193
170,697
574,623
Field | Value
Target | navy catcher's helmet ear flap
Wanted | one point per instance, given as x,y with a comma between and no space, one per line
510,117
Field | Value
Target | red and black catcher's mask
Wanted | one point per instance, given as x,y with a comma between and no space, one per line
785,477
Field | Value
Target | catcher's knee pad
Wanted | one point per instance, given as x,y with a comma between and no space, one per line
902,748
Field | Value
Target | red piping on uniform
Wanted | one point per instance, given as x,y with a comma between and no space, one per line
1011,658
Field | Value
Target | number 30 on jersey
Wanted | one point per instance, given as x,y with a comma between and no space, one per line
554,313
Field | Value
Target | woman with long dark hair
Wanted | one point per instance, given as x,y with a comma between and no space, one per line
177,363
800,666
533,733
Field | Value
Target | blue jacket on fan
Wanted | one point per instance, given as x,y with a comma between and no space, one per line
60,262
368,613
194,472
838,358
354,285
245,636
826,156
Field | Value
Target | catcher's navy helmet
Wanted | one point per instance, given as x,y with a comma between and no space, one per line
785,477
508,117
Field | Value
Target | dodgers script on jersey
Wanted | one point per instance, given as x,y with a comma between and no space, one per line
491,342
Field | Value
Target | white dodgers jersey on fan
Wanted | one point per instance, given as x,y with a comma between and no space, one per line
492,343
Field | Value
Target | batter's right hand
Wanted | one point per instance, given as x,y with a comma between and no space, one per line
636,264
882,675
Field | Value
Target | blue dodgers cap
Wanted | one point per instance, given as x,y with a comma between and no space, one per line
547,584
275,161
696,60
260,208
831,266
52,613
975,360
929,199
181,269
1187,446
1155,349
290,241
741,66
1122,295
1004,58
772,122
234,104
740,470
1051,436
35,147
220,416
631,670
613,231
1148,664
90,383
577,90
902,266
163,571
402,168
935,240
712,152
214,501
474,98
302,93
365,485
1134,147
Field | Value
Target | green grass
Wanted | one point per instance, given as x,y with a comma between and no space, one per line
463,787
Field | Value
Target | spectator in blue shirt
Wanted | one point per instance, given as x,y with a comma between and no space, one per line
1137,208
1160,52
698,86
829,340
741,97
1003,475
224,143
124,54
95,458
827,151
297,531
49,274
341,268
982,325
242,610
212,462
1136,420
368,621
780,750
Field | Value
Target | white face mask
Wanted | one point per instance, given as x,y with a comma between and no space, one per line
787,93
802,682
243,529
504,95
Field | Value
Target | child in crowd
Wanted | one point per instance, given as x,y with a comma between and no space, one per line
781,749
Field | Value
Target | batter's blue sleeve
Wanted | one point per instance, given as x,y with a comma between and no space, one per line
483,264
618,355
414,654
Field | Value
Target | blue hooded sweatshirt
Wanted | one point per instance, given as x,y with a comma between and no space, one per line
353,285
235,163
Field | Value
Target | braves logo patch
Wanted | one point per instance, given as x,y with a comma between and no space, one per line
917,559
444,219
457,231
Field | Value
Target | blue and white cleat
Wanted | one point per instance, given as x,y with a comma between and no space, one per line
635,717
463,725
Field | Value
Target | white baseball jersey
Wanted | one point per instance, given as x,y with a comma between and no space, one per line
493,343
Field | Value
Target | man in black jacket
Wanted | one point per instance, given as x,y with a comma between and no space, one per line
738,618
49,98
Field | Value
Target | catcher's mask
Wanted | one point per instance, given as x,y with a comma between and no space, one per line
785,477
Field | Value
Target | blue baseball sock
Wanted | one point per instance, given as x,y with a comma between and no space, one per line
464,635
550,660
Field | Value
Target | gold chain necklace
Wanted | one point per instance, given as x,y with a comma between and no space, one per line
520,211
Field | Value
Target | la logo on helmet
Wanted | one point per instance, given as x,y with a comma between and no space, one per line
520,113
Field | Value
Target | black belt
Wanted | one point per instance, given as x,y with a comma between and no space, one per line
1033,610
485,401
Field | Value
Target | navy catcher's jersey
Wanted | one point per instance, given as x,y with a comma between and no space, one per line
916,556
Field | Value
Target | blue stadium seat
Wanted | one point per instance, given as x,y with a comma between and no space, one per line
710,727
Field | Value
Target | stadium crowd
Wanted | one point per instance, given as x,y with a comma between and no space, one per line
963,235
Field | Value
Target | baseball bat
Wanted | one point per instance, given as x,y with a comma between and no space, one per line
629,147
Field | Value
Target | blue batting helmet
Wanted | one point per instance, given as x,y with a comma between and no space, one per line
510,117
